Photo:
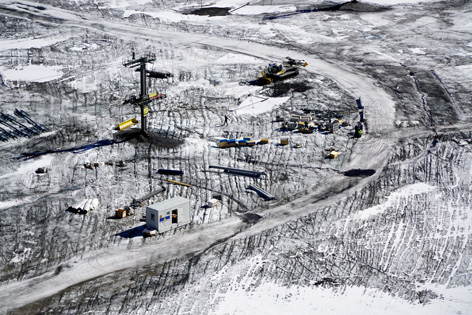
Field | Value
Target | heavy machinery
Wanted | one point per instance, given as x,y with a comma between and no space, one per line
358,130
144,99
278,72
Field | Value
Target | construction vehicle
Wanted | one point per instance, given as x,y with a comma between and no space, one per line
358,130
278,72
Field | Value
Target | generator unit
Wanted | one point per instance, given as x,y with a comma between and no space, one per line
168,214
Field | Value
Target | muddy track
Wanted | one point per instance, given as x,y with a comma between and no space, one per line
228,230
28,290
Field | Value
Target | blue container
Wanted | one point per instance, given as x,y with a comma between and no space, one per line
170,172
232,142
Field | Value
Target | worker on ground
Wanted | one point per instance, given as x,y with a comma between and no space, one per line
226,121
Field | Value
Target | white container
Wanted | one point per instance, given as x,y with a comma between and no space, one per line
168,214
212,202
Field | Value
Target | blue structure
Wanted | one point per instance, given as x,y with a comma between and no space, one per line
170,172
261,192
238,171
359,103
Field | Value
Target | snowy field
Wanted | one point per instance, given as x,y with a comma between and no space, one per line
384,228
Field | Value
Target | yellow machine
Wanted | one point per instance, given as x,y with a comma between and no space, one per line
120,213
333,154
278,72
127,124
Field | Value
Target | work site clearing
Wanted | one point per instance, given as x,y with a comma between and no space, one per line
226,157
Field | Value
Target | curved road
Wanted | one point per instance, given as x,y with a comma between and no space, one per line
369,152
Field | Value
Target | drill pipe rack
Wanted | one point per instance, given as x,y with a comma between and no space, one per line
237,171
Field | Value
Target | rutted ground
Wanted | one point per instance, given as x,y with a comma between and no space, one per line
411,235
331,243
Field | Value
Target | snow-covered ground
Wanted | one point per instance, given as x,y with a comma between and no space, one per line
384,228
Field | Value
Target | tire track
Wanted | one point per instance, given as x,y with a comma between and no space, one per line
197,240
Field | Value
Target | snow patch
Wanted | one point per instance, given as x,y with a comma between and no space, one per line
272,298
119,3
21,257
236,58
230,3
10,203
86,204
394,2
30,42
464,71
240,91
413,189
85,46
30,167
418,51
254,105
263,9
171,16
32,73
194,146
168,16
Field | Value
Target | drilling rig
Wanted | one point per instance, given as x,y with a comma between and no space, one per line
144,98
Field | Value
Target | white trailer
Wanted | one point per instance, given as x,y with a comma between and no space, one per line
168,214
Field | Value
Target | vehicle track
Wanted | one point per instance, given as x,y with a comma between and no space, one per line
104,261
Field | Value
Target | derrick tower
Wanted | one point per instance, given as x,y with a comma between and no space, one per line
144,98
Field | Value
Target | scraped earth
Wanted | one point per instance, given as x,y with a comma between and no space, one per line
389,219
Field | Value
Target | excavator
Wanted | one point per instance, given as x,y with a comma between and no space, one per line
278,72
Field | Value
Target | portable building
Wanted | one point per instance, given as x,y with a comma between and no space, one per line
292,125
168,214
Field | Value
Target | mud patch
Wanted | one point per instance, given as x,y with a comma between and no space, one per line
347,6
280,89
437,103
359,173
211,11
361,7
251,218
161,141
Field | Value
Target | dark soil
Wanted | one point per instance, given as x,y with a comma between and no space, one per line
211,11
135,136
359,173
281,88
347,6
361,7
251,218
